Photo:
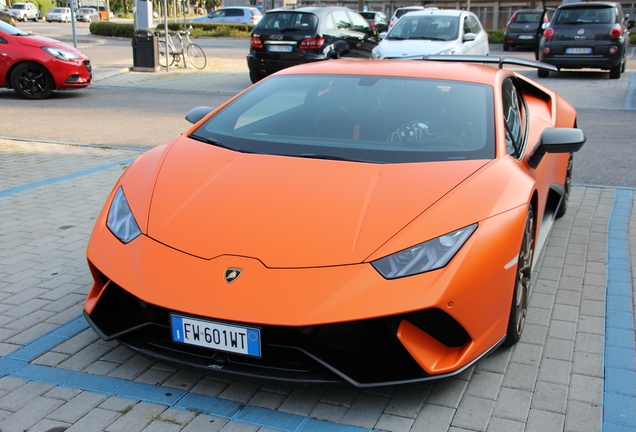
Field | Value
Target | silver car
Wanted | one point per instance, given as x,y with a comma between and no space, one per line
232,15
87,15
59,14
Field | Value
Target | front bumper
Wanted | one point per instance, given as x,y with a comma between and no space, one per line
319,325
72,74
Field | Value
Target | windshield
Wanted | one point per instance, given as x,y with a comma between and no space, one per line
85,11
358,118
288,21
587,15
400,12
18,6
432,27
58,10
9,29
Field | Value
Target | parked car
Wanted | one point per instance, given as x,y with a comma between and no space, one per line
25,11
433,31
87,15
586,35
288,37
523,28
377,20
6,16
400,12
232,15
407,202
34,66
59,14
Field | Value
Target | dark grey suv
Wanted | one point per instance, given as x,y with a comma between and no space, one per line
288,37
586,35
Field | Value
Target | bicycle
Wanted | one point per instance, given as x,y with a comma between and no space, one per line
192,51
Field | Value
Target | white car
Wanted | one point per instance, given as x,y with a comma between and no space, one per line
24,11
232,15
59,14
431,32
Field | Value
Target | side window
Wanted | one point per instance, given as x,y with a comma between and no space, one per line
217,14
514,118
474,24
467,28
342,20
328,22
359,23
234,12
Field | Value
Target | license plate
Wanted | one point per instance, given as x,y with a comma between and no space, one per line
280,48
526,36
578,50
215,335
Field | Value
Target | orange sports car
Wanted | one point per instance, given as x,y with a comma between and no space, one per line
369,222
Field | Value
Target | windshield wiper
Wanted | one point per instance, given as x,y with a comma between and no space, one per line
427,38
332,157
218,143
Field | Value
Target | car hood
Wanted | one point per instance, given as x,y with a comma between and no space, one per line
40,41
413,48
289,212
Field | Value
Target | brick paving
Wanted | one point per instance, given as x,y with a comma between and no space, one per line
552,380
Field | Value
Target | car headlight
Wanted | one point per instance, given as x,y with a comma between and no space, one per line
424,257
60,53
375,54
121,221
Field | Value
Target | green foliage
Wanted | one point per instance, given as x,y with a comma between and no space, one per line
104,28
43,5
495,36
212,4
632,38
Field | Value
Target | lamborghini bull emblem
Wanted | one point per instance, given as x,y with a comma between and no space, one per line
232,274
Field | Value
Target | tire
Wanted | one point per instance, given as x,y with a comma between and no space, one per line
255,76
623,65
567,185
543,73
520,294
615,72
196,56
506,47
164,60
32,81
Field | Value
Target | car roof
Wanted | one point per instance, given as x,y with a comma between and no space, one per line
311,9
587,4
444,12
454,71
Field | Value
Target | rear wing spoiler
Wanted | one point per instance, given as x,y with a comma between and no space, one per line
492,59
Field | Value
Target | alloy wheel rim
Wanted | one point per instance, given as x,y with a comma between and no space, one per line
33,81
524,274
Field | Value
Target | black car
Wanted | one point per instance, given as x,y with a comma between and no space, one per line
377,20
288,37
586,35
521,30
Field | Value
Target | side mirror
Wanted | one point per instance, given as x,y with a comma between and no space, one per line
469,37
382,35
631,24
196,114
556,140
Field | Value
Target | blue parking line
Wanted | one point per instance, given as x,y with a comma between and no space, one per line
63,178
619,382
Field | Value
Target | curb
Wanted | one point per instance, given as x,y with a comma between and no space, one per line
109,73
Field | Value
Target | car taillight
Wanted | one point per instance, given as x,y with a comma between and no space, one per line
513,17
392,22
253,19
616,32
255,42
548,33
312,43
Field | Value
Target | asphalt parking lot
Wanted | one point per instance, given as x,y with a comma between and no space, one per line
573,370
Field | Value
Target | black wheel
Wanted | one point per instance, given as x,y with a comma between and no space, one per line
32,81
164,60
615,72
196,56
255,76
543,73
567,185
520,294
623,65
506,47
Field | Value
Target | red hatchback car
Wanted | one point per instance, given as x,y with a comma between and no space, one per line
34,66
